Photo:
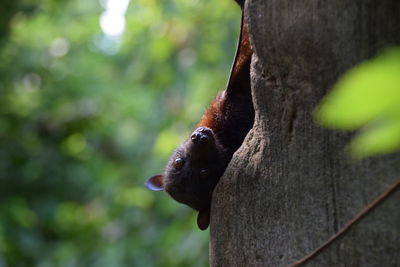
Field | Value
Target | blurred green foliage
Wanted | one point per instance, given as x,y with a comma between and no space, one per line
86,118
367,97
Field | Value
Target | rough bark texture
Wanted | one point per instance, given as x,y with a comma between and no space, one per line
291,185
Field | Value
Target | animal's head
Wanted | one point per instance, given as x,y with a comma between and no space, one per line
192,173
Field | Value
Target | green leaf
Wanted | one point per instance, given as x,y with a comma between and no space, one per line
367,97
379,138
366,92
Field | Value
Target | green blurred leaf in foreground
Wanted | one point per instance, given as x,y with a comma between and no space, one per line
367,97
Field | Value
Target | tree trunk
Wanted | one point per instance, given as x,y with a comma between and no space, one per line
291,185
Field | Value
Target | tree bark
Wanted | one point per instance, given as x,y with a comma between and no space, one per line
291,185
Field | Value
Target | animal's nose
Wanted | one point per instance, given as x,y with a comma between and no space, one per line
198,137
195,136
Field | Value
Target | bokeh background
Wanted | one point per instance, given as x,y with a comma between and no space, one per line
94,96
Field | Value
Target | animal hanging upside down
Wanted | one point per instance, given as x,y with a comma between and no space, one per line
196,166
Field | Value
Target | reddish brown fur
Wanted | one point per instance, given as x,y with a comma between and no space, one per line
231,113
243,55
218,114
210,116
240,68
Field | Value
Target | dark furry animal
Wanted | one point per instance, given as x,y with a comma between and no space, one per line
196,166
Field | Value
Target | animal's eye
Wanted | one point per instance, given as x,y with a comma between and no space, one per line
178,163
204,173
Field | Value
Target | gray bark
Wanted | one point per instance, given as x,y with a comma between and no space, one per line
291,185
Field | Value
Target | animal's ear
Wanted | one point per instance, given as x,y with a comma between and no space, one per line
155,183
203,219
